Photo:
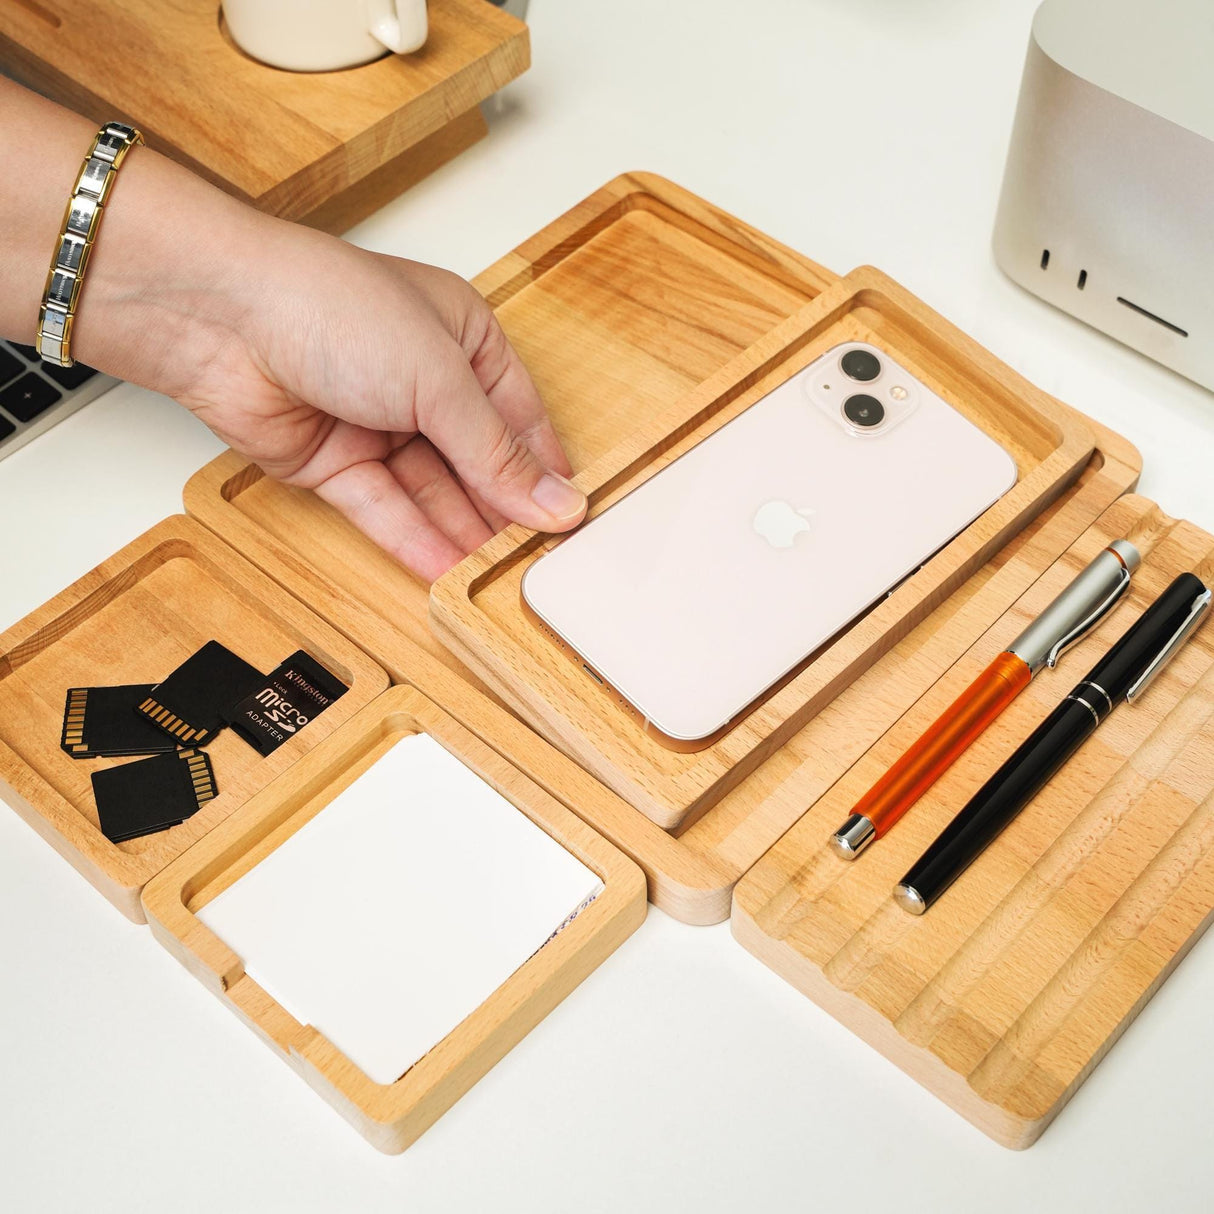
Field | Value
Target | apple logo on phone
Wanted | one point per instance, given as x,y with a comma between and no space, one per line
779,523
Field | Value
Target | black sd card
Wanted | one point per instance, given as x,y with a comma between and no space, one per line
285,702
104,722
148,795
197,699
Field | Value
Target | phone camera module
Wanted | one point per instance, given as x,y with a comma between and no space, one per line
860,365
863,410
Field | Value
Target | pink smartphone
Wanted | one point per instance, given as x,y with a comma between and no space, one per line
712,580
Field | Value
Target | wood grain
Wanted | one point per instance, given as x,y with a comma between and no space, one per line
652,258
391,1116
477,610
134,619
1005,995
321,147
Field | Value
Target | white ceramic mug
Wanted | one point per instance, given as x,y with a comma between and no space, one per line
324,35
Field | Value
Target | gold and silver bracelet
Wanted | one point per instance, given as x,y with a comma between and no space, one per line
76,237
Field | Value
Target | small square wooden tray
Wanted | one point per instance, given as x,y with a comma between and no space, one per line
477,608
134,619
326,148
1013,986
391,1116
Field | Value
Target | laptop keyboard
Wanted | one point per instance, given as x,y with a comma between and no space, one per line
35,395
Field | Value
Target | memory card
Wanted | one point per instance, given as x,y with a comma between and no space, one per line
196,700
102,722
287,699
153,794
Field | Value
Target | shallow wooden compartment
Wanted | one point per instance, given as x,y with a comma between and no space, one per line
1011,988
477,610
134,619
641,270
392,1115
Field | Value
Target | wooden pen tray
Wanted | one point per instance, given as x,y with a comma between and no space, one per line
391,1116
477,608
620,308
134,619
1011,988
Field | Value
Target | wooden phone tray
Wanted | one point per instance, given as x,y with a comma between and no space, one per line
630,301
477,608
134,619
1004,996
391,1116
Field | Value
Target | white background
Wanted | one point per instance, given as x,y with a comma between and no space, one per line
683,1075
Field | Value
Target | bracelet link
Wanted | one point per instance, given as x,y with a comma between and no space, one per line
81,220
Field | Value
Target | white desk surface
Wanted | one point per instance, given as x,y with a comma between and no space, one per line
683,1075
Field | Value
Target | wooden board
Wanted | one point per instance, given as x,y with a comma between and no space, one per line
1011,988
134,619
641,273
326,148
392,1115
477,608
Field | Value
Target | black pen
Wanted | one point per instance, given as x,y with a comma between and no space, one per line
1123,673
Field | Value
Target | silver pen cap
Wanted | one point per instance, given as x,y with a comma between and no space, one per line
1079,608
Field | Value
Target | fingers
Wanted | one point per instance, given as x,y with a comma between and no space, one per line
495,363
512,392
493,460
378,505
423,475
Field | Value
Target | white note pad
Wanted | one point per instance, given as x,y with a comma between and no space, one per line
400,907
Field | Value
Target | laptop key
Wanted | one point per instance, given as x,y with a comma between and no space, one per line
26,351
6,427
28,396
10,367
68,377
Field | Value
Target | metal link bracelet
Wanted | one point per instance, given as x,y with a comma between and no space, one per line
76,237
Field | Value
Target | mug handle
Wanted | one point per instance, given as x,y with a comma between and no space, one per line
399,24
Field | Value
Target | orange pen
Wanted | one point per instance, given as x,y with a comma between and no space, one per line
1076,610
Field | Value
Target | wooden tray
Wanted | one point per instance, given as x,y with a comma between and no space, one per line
1005,995
392,1115
631,306
477,608
326,148
134,619
640,274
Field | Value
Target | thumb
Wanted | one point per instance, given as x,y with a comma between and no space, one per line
491,459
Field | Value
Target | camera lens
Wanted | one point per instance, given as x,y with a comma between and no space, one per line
864,410
861,365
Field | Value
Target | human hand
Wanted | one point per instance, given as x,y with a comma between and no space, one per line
384,385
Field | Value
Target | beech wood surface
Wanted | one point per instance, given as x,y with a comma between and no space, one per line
326,148
477,608
134,619
1009,990
641,273
390,1116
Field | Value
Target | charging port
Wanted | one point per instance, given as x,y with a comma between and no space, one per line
592,674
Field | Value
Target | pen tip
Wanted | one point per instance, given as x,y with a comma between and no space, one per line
909,899
853,837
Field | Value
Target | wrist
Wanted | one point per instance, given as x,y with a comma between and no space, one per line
169,283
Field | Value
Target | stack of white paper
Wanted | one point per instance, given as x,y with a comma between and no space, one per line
400,907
